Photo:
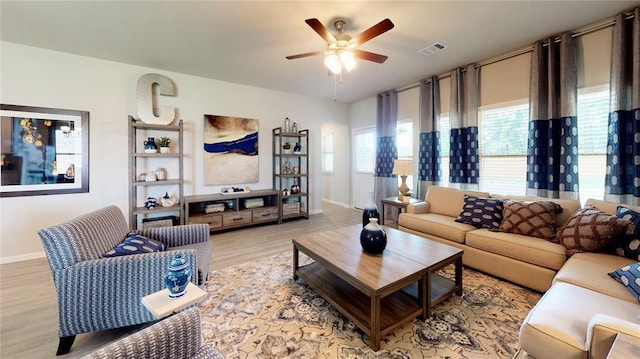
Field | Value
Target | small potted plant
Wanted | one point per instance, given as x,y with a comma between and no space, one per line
164,144
287,147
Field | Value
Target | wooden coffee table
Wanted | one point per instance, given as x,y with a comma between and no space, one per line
378,293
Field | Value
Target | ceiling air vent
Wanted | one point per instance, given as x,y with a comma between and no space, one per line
429,50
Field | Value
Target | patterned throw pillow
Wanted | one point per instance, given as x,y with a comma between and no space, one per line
135,244
589,230
629,276
628,244
530,218
481,212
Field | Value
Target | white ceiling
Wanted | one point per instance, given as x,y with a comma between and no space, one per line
246,42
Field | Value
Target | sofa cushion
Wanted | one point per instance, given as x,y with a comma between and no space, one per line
536,219
589,230
135,244
481,212
590,270
568,206
435,225
557,326
629,276
628,243
528,249
448,201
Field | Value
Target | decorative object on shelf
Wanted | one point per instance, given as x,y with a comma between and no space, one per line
167,201
142,177
214,208
287,125
285,192
373,239
294,128
151,177
295,188
160,174
151,203
164,144
286,147
254,202
228,190
230,143
286,168
295,169
178,276
402,168
290,208
297,148
150,145
370,210
145,100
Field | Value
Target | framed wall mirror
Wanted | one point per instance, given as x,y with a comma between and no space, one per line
43,151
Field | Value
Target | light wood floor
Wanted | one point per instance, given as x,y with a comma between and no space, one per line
28,307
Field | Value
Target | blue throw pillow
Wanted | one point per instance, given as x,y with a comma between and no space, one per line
628,244
629,276
135,244
481,212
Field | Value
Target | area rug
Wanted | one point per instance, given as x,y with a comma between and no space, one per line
256,310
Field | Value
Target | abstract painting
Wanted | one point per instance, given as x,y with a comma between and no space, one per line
230,150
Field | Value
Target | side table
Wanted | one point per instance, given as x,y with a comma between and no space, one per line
395,202
161,305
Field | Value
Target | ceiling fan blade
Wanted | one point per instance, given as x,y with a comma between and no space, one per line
369,56
317,26
306,54
375,30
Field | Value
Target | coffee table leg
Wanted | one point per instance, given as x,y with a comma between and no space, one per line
295,262
428,294
422,298
459,276
375,323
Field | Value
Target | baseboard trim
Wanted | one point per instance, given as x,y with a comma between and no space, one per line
337,203
22,257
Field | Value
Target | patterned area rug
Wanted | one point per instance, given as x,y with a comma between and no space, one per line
256,310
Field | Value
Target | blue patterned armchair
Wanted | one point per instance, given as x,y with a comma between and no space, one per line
176,337
96,293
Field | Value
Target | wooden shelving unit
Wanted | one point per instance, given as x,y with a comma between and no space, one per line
140,162
292,205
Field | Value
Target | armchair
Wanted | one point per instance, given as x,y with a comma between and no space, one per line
176,337
96,293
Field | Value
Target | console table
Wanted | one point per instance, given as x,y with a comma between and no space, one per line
395,202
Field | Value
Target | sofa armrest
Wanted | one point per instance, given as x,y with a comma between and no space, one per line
419,208
602,331
176,236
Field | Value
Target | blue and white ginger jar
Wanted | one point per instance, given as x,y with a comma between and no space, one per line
178,276
373,238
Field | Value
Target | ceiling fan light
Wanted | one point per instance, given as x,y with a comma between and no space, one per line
348,60
333,63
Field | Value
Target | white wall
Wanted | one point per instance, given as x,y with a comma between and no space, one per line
38,77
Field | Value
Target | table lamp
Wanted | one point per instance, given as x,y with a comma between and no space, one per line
402,168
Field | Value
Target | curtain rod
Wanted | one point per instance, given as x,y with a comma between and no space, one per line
603,24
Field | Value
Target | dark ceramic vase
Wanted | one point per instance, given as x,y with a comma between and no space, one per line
370,211
373,238
178,276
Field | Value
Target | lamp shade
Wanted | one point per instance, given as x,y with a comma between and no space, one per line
402,167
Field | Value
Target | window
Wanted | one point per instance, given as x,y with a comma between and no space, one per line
327,153
404,144
593,120
502,143
365,145
444,127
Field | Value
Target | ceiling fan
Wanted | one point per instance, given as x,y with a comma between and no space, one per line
341,48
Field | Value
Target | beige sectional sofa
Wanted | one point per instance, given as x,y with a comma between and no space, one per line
529,261
583,308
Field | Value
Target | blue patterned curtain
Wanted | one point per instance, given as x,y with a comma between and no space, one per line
429,166
622,181
552,158
464,168
386,184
